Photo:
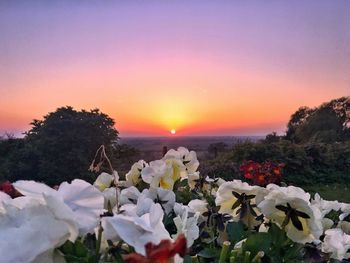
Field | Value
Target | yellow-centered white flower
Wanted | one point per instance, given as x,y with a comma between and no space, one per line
289,207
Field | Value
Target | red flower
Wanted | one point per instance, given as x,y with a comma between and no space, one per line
162,253
262,173
8,188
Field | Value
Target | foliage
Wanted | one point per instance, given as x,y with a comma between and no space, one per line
326,124
58,147
304,163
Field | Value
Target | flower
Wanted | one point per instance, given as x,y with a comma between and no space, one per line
129,195
110,197
289,208
337,243
85,200
103,181
133,177
33,228
159,174
189,159
198,205
188,226
160,253
239,199
262,173
324,205
166,198
137,231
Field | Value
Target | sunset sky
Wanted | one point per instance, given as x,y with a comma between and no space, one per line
199,67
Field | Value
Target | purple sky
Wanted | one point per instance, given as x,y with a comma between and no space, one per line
212,58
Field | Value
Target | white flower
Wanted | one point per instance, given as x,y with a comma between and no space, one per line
3,198
291,191
239,199
344,223
137,231
189,158
159,174
110,196
32,231
166,198
129,195
133,177
187,226
103,181
198,205
85,200
289,208
324,205
337,243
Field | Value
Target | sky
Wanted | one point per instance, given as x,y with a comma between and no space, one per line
199,67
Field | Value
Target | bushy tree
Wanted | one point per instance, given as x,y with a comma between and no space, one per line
60,146
327,123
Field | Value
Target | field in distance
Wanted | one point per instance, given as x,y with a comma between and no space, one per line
151,148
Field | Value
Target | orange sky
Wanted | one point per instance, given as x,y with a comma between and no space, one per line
201,73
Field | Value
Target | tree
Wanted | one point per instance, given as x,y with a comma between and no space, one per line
63,144
327,123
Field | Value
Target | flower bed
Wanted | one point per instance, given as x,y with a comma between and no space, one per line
165,211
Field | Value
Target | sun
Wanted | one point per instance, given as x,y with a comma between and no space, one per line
173,131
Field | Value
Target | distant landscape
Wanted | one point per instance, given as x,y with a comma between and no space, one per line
152,147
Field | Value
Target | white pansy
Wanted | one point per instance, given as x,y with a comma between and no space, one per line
3,198
133,177
110,196
188,226
189,158
344,223
290,208
291,191
85,200
138,231
180,209
198,205
34,230
33,189
166,198
239,199
103,181
143,206
324,205
159,174
129,195
178,169
337,243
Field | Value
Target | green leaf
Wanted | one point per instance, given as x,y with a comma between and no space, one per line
257,242
235,231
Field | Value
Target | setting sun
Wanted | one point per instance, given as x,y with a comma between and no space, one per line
173,131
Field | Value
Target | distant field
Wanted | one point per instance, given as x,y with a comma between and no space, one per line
151,147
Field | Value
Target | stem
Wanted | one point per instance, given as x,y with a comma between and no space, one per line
98,243
246,257
224,251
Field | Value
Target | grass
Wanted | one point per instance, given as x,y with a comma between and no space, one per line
335,191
